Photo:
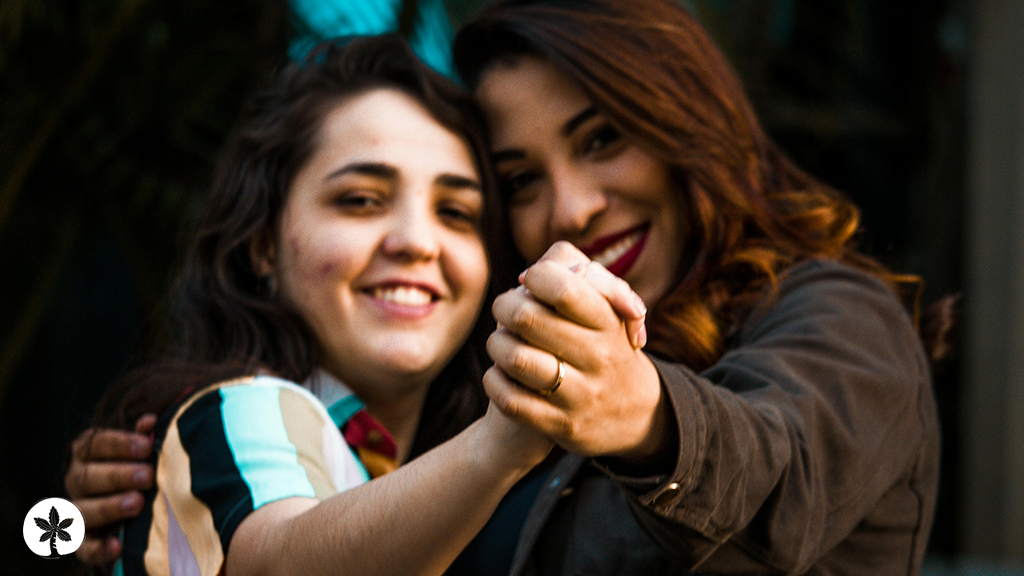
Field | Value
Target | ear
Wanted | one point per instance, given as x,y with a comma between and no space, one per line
263,255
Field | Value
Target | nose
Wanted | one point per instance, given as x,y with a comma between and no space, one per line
412,235
575,201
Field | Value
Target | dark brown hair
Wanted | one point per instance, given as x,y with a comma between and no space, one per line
752,213
225,321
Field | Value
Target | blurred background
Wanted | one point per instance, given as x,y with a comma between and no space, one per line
111,112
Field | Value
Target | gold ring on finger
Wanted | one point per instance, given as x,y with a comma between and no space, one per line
558,379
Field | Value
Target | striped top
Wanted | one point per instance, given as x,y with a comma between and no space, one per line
229,449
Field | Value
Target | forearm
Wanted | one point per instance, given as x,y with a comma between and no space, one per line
792,439
414,520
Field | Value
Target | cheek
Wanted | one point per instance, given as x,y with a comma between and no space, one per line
528,232
468,268
318,262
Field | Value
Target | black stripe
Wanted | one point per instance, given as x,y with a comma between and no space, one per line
216,481
136,530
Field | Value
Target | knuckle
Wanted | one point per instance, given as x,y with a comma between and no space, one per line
567,295
523,318
519,362
73,481
492,346
562,427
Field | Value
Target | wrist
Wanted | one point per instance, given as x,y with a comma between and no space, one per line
658,440
496,454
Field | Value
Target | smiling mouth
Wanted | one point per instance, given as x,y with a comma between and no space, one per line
403,295
619,252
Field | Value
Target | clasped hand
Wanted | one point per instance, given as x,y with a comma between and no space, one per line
568,308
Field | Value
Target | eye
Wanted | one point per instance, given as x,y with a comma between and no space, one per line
513,183
358,201
602,138
459,215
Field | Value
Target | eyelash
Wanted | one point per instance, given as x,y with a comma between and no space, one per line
459,214
602,138
516,181
357,200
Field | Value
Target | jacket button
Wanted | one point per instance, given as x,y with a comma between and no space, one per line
667,495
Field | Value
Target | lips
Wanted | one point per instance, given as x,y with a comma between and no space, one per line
618,252
403,299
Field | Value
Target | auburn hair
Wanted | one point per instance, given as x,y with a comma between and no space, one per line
751,212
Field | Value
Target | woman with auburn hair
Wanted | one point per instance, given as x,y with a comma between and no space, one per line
781,418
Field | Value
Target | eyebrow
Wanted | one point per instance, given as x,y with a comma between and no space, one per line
365,168
574,122
568,128
456,181
386,171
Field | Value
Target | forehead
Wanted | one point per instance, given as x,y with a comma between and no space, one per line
388,125
526,94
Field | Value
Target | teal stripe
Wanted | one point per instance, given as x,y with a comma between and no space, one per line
343,409
265,457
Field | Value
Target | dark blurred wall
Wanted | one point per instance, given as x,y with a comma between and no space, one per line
111,114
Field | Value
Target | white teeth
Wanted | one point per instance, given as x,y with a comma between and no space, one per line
612,253
405,295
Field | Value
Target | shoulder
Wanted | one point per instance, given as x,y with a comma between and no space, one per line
248,414
249,398
827,293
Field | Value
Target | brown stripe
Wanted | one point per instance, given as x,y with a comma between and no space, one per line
174,488
305,427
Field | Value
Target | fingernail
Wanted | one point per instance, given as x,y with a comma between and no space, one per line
142,477
641,337
522,276
576,267
638,305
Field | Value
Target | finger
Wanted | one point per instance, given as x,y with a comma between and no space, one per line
110,444
102,478
524,406
566,254
617,291
98,550
530,367
540,326
145,424
100,513
572,294
626,303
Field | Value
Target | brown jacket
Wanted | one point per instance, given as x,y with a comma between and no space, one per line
811,447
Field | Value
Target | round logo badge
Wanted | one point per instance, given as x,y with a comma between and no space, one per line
53,528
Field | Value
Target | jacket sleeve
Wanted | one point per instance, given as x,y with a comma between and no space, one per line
785,444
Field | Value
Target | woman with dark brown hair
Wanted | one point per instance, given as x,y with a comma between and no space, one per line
323,312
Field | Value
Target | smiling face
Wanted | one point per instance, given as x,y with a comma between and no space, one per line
568,173
379,246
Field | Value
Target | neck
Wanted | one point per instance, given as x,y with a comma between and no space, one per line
401,416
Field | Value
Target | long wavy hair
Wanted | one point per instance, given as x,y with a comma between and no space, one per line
751,212
224,321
